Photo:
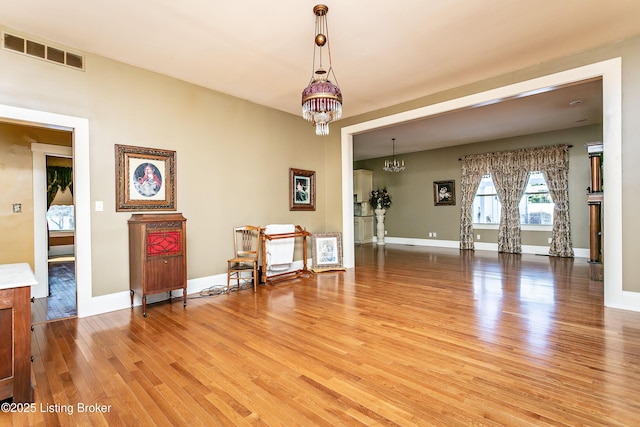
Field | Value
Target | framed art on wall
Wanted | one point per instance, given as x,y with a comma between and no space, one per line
145,179
302,190
444,193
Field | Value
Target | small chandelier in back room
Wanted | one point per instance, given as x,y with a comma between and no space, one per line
393,165
321,99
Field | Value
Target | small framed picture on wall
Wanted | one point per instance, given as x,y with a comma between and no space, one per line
302,190
444,193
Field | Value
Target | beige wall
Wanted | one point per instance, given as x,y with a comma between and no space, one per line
16,182
233,157
16,229
414,215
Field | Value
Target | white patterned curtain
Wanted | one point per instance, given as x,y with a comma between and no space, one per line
556,170
510,179
473,167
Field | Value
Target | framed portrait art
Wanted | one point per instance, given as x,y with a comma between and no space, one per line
302,190
145,179
444,193
326,251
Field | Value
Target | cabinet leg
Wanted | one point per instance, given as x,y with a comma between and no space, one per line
184,298
131,292
144,306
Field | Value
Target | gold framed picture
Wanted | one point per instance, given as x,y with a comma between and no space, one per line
302,190
145,179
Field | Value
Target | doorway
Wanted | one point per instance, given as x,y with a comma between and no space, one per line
610,72
79,128
60,299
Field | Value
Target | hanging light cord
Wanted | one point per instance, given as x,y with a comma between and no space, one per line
322,27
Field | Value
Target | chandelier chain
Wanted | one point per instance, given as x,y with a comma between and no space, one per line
393,165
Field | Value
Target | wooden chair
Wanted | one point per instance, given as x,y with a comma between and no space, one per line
246,246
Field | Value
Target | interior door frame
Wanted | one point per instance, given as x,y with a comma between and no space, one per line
40,152
79,127
611,73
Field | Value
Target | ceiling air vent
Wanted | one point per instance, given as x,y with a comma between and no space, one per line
38,50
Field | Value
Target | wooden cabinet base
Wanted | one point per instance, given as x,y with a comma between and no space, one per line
15,345
157,256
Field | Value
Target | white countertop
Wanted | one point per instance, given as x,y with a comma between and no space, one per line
16,275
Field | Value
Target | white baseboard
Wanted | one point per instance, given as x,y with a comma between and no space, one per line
483,246
623,300
422,242
122,300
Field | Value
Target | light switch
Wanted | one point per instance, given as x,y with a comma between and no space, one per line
99,206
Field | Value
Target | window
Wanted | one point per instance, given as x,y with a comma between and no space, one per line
536,206
486,205
60,218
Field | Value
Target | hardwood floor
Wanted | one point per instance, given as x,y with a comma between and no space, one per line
411,336
61,303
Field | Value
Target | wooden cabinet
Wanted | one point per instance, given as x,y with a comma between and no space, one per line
157,255
15,333
363,229
362,185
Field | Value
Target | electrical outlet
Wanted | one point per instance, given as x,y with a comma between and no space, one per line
477,237
549,240
17,207
430,234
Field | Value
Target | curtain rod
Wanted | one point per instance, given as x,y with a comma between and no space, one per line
570,146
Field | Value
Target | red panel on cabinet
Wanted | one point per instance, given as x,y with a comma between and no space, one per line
164,243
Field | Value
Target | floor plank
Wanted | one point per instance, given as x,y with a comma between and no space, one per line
411,336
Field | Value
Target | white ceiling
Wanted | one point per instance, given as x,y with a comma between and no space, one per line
383,52
556,109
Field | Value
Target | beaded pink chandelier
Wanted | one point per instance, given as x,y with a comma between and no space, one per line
321,99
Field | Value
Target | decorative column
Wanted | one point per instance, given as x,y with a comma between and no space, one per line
595,198
380,211
595,235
